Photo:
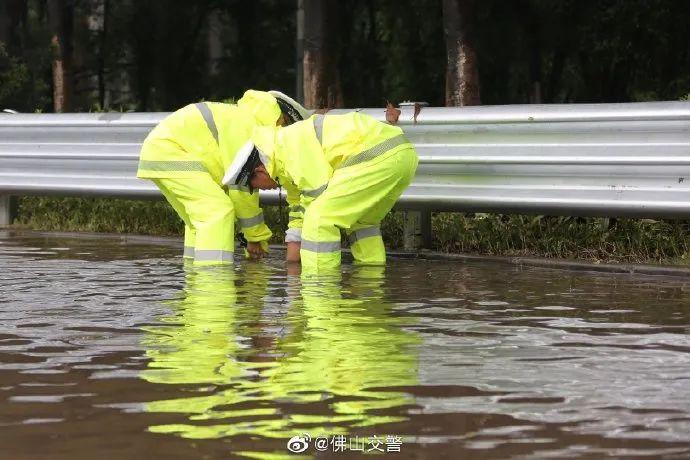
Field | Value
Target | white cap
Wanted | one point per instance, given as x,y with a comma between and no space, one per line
240,160
238,163
296,106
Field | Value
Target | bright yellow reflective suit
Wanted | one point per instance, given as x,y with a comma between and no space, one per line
186,156
340,172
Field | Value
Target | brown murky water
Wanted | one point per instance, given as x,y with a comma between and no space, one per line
114,350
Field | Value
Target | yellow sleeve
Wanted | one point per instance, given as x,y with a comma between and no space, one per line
296,212
304,162
249,214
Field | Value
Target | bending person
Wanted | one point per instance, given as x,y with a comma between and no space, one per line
340,172
186,156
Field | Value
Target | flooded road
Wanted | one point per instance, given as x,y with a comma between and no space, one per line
118,350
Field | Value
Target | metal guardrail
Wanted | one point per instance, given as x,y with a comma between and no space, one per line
583,159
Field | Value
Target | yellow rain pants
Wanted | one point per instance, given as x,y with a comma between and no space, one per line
209,218
357,198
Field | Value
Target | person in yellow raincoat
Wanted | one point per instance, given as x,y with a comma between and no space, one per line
188,152
340,172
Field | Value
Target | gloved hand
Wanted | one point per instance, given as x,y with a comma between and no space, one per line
255,251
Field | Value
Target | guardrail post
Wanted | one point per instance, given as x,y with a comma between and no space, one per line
412,230
416,230
426,229
7,210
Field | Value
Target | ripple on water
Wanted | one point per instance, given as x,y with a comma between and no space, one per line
460,359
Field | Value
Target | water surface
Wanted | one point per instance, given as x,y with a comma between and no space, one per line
112,349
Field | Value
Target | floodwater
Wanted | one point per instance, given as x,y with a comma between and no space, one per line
118,350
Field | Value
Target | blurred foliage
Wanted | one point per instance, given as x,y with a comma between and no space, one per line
14,76
168,42
392,50
159,55
583,50
19,87
593,239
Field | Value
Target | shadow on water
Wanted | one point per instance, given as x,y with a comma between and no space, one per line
115,349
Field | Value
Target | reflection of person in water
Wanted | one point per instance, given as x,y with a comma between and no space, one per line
202,344
195,346
342,346
349,345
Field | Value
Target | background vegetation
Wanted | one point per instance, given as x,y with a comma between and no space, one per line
158,55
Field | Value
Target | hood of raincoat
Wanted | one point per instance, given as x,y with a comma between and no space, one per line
261,105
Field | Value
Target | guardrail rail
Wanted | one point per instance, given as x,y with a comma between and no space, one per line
629,159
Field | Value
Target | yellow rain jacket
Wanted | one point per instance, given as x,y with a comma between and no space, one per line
340,172
187,154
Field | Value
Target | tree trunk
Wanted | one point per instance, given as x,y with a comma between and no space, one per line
87,58
61,16
535,94
299,44
102,22
214,42
462,75
531,18
322,87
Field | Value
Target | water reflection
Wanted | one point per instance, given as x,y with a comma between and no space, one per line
326,371
104,346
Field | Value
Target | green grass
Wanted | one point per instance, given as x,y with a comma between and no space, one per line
98,215
592,239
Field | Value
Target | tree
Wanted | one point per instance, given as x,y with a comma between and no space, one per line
61,20
321,77
462,74
162,54
98,20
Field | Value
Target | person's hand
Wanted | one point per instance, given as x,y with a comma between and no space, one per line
255,250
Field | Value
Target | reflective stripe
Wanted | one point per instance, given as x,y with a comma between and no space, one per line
213,255
238,187
297,209
375,151
155,165
315,192
208,118
291,218
188,251
251,221
318,127
364,233
321,246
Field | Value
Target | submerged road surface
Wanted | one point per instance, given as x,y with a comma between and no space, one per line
119,350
